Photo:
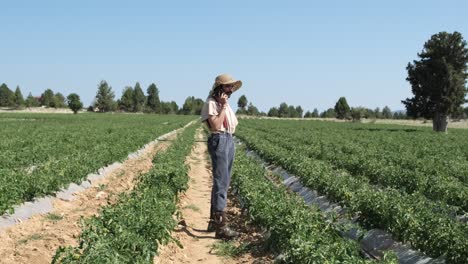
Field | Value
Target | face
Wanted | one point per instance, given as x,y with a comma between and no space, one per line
227,88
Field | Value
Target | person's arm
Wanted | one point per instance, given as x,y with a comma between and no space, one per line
216,121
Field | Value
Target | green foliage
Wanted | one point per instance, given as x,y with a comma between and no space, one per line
7,97
154,103
438,78
32,101
315,113
286,110
132,230
74,102
357,113
409,182
105,98
59,100
242,102
192,106
139,98
299,232
329,113
342,109
31,165
19,99
126,101
229,249
252,110
47,98
387,113
273,112
169,108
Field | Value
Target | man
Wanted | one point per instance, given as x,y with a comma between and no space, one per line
222,122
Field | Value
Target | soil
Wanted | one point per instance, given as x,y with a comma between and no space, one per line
37,239
197,245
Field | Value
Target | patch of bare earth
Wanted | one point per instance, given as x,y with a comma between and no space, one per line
196,244
36,240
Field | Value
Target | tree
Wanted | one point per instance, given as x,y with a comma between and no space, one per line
438,79
32,101
139,98
7,97
307,114
153,101
169,108
299,111
192,106
105,97
342,108
292,111
315,113
252,110
283,110
387,113
329,113
126,101
47,98
19,99
59,100
357,113
273,112
377,113
242,102
74,102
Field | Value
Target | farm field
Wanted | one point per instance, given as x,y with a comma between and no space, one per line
408,181
40,153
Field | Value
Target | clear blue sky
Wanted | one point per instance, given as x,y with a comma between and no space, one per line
306,53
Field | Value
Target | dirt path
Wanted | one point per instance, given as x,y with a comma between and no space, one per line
36,240
195,208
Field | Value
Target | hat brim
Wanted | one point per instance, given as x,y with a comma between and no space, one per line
237,85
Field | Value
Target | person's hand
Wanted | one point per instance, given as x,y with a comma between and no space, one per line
223,98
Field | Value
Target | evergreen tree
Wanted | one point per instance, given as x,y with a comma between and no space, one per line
7,97
105,98
273,112
299,111
438,79
342,109
283,110
242,103
252,110
31,101
153,102
139,98
315,113
126,101
387,113
19,99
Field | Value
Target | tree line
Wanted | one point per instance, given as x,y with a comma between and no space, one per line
133,99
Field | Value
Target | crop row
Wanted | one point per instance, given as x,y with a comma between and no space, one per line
363,157
410,218
299,232
40,153
131,230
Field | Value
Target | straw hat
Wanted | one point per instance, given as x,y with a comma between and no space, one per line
227,79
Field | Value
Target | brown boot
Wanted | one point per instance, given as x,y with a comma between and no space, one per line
223,230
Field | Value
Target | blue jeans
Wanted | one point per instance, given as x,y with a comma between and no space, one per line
221,149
